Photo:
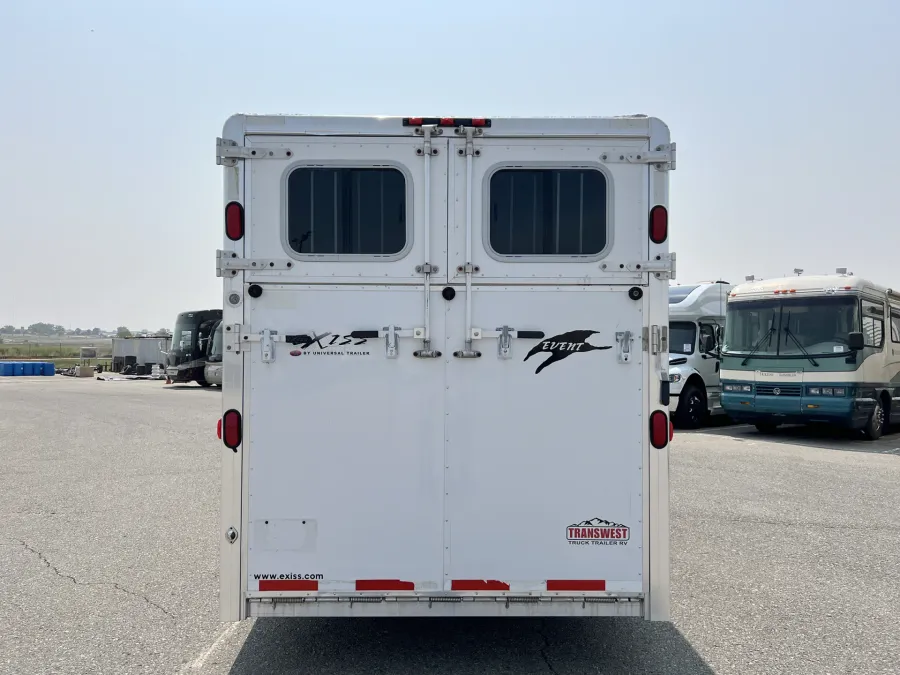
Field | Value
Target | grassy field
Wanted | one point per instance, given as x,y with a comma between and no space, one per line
65,348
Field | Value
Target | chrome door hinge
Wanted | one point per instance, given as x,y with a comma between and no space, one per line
230,262
662,266
228,152
662,158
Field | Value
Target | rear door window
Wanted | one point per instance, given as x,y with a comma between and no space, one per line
347,211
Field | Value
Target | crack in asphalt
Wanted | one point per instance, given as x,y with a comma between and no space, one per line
545,646
75,581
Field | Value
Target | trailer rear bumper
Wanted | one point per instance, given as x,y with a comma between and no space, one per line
444,606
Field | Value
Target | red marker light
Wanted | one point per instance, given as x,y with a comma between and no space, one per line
232,429
219,428
659,224
479,122
659,429
448,122
234,221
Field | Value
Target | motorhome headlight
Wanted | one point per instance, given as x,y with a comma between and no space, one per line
746,388
826,391
674,377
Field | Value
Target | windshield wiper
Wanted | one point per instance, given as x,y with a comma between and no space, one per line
758,344
787,331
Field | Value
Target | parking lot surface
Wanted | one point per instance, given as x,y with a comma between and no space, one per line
785,557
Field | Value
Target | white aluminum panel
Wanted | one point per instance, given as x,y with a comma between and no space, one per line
346,445
531,453
626,209
267,230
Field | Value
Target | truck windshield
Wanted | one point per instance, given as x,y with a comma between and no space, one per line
787,327
682,337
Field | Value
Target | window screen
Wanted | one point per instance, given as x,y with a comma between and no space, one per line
548,212
358,211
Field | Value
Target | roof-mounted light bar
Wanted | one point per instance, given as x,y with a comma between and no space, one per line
446,121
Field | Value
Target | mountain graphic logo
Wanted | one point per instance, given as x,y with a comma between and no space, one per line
597,522
563,345
599,531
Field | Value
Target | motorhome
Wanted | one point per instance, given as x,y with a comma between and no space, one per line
440,336
813,349
186,359
696,320
212,371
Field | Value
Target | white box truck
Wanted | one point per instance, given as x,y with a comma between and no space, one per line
445,367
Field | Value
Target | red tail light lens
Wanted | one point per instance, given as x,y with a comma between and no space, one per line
659,224
234,221
659,429
232,429
671,431
219,429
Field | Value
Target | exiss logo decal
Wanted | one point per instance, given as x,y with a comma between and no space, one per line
598,532
328,344
563,345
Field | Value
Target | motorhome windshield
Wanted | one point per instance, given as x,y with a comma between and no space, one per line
682,337
791,327
215,350
185,334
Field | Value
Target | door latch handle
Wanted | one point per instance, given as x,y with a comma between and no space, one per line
624,338
390,341
503,342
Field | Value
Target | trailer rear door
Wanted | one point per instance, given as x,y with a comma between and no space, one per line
545,423
345,439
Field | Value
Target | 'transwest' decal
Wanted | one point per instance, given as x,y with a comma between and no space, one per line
563,345
598,532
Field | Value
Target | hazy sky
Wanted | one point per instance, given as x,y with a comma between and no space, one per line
785,114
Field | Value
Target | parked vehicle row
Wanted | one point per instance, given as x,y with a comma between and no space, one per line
819,349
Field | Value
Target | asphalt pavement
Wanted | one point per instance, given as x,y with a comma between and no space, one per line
785,557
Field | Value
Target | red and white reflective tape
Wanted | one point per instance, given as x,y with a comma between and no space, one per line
459,585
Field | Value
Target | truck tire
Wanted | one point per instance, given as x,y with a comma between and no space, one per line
202,382
875,426
692,408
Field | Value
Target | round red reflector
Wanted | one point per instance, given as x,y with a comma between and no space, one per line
659,224
232,429
234,221
659,429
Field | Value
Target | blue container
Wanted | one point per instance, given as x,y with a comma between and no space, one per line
48,369
18,369
29,368
6,369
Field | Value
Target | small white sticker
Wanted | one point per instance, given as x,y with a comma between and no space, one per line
687,348
839,348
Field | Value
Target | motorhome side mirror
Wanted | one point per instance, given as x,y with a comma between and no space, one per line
707,344
857,341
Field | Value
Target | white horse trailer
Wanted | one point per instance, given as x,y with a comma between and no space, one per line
696,322
445,367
